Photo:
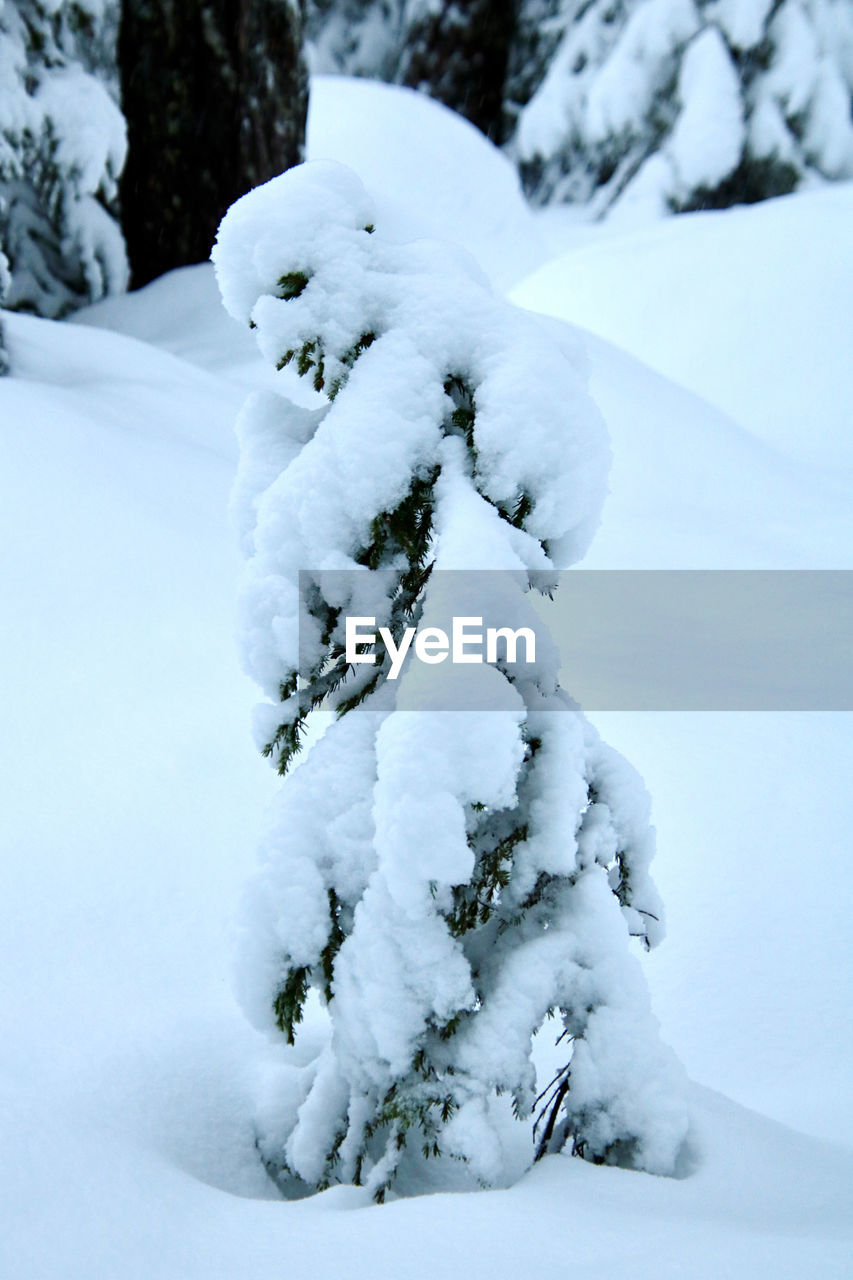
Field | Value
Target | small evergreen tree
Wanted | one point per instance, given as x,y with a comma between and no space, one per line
216,94
62,145
444,880
684,104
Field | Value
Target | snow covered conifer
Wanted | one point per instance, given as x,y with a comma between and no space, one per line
62,146
669,105
443,880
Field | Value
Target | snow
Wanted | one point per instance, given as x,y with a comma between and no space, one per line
811,77
17,112
828,138
794,70
765,338
318,220
653,106
449,186
63,142
132,795
625,87
707,140
742,21
92,137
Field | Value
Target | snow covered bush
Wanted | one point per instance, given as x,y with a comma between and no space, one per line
444,880
62,146
667,105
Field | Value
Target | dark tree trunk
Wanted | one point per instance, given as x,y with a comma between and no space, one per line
215,93
459,56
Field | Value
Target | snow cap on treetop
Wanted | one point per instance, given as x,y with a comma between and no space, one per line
303,261
263,236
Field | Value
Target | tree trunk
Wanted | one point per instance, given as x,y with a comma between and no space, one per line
215,93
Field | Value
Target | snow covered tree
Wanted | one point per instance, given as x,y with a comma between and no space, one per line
662,105
215,93
444,880
62,146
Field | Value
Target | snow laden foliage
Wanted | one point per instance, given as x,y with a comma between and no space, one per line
443,880
62,146
651,106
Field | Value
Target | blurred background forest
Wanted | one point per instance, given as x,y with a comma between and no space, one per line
127,127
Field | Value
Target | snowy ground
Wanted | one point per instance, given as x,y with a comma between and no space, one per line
132,795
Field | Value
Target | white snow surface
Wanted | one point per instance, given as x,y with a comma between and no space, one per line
749,308
427,170
132,796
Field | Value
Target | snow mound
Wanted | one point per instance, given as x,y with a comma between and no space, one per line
181,313
731,500
749,309
430,172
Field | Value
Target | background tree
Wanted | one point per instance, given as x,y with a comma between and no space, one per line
444,880
664,104
456,52
537,31
669,105
62,145
215,93
355,37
